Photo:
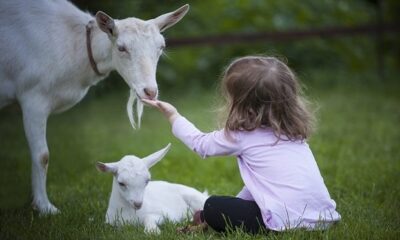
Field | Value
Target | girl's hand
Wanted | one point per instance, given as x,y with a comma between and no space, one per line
167,109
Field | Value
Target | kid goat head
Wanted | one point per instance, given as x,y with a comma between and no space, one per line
131,176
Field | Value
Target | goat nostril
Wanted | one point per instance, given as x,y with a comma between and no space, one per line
137,205
151,93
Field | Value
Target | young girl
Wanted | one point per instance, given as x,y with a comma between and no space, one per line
266,129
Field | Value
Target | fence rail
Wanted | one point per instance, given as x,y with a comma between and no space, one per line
279,36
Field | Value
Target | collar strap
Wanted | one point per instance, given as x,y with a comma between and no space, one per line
93,64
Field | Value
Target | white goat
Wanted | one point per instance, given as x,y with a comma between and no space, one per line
52,53
136,199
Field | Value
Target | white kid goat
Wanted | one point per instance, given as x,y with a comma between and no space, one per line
136,199
52,53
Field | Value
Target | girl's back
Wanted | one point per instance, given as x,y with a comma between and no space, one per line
284,177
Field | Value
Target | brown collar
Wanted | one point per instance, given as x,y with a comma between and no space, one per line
89,27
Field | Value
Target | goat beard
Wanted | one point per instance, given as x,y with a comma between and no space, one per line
139,109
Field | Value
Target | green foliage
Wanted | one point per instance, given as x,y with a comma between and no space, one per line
356,147
199,66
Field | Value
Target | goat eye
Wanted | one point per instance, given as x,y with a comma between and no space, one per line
122,49
121,184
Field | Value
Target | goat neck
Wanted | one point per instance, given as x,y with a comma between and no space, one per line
101,50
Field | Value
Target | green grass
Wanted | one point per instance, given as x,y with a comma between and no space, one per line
356,147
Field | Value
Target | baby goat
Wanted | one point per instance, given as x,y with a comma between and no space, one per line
134,198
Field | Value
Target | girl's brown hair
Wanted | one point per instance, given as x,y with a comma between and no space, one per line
264,92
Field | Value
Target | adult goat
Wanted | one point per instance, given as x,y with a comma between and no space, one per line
52,53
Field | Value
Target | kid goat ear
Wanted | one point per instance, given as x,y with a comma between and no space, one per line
152,159
107,167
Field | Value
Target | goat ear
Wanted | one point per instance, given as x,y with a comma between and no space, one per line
152,159
106,24
107,167
169,19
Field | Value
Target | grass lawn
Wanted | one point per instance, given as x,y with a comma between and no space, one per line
356,147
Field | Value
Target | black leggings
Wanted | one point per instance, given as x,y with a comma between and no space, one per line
224,213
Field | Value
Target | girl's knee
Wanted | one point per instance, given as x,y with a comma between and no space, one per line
210,202
208,206
213,204
212,213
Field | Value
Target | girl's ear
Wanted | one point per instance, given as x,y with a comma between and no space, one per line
107,167
152,159
169,19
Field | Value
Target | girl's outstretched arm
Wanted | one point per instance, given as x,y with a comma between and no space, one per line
214,143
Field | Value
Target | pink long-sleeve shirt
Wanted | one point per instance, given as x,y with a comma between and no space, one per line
282,178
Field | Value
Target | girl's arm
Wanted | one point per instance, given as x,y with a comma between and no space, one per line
205,144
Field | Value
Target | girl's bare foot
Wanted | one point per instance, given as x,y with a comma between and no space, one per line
193,228
198,225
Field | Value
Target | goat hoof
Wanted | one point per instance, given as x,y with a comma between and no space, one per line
46,209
